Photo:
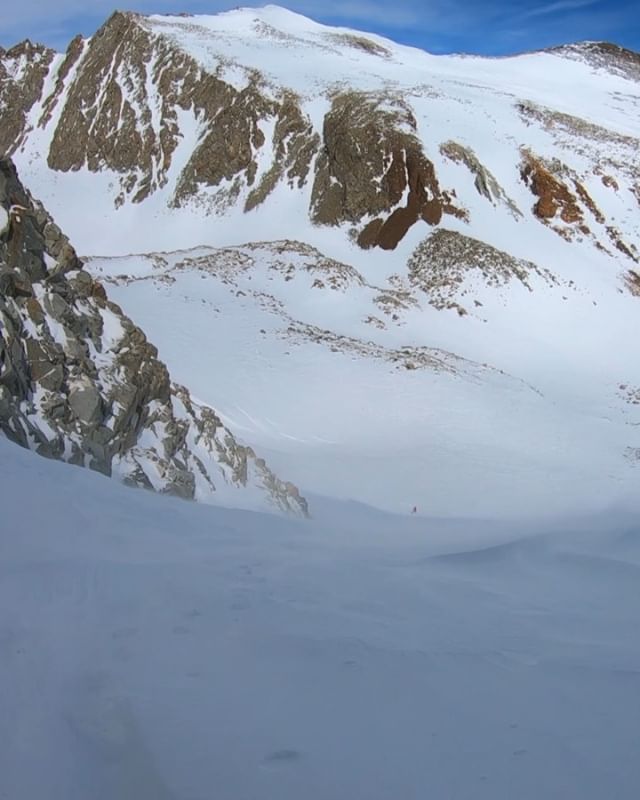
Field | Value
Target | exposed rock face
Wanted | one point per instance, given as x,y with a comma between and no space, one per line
74,52
632,281
554,197
295,144
122,105
80,382
445,265
564,202
227,151
372,163
484,181
23,70
125,90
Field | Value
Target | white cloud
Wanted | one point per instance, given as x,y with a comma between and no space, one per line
558,7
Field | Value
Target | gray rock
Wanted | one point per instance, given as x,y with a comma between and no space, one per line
51,449
34,310
86,403
54,407
76,349
56,307
64,401
82,283
6,402
45,365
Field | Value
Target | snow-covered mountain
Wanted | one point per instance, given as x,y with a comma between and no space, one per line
407,280
258,111
418,274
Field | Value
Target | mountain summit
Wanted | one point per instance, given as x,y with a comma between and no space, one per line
241,112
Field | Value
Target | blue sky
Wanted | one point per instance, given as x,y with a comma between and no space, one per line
493,27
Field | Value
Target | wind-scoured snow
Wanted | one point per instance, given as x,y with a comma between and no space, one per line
154,649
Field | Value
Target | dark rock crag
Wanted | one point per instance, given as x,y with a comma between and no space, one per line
80,382
372,164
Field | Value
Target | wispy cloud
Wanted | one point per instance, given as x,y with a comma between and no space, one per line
559,7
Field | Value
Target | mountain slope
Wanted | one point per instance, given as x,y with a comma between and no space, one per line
245,109
80,382
418,274
329,375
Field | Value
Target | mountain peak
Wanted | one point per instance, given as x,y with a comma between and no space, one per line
270,13
26,49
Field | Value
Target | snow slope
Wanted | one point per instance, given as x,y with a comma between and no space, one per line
526,418
153,648
294,51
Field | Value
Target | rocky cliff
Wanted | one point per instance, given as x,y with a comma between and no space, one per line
80,382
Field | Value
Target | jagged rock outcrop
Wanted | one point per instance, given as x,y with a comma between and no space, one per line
563,203
295,144
23,70
121,112
484,181
555,199
80,382
603,55
372,164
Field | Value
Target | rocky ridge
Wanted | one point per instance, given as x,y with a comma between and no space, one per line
604,55
23,70
138,102
80,382
116,104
